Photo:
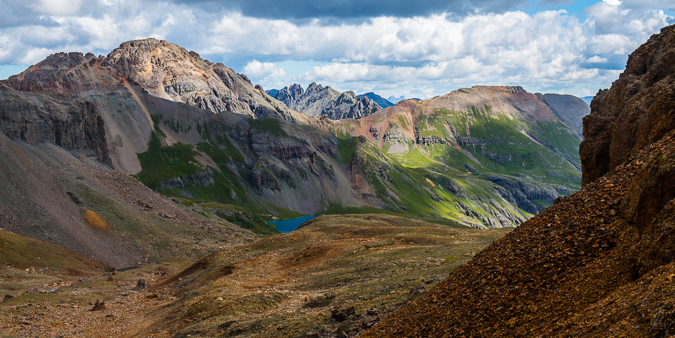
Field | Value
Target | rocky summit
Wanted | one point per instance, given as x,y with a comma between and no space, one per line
163,69
597,264
320,101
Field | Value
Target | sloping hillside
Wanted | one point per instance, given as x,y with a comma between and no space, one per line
337,274
502,135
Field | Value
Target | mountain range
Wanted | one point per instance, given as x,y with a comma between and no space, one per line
205,136
318,101
154,166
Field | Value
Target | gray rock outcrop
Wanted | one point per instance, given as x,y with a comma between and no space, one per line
318,101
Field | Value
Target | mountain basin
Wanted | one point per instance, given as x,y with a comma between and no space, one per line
292,224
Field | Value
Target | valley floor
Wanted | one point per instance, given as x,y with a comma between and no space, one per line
335,276
48,305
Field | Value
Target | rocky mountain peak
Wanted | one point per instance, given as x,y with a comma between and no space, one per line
314,88
348,106
320,101
51,70
164,69
347,96
290,95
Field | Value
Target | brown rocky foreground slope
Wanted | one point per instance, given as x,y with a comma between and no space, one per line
598,264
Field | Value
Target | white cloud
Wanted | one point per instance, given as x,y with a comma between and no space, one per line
596,59
257,69
57,7
431,54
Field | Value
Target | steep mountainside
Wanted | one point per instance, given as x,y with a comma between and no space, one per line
319,101
57,185
635,112
504,136
75,202
568,109
381,101
600,263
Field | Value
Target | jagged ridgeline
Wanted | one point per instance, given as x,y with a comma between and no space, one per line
199,132
320,101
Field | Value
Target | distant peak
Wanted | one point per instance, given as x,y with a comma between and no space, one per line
314,87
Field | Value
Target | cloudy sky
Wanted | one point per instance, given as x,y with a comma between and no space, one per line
417,48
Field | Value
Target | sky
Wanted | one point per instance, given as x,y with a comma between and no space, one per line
418,49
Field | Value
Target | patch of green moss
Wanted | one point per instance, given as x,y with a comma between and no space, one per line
162,162
268,124
346,148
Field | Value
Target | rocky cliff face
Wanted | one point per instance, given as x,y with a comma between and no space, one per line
348,106
598,262
37,117
319,101
290,95
635,112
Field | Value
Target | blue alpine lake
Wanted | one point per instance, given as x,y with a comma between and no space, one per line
292,224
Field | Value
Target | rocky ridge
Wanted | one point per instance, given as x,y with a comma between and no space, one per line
319,101
634,112
164,69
